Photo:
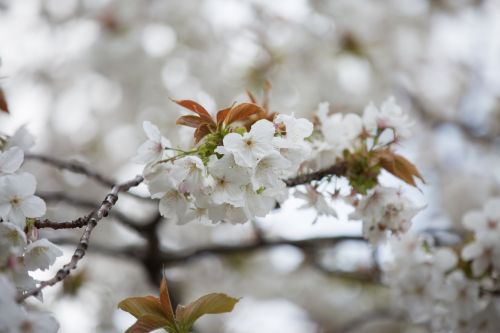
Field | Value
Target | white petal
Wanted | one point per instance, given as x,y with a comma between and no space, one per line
152,131
263,130
41,254
22,139
11,160
33,206
22,185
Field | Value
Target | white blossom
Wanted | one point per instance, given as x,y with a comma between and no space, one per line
41,254
316,200
293,131
153,149
484,250
384,209
250,147
390,115
228,180
17,199
12,241
340,131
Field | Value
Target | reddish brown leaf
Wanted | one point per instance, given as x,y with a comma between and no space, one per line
251,97
165,301
201,132
267,90
4,107
196,108
148,323
241,112
190,121
399,166
222,114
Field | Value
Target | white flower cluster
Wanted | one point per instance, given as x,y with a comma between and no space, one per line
341,132
383,210
435,289
20,253
484,251
241,179
15,319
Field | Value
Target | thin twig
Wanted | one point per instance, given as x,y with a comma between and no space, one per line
93,219
82,203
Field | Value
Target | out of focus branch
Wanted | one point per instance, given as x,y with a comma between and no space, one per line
305,244
79,168
434,120
93,218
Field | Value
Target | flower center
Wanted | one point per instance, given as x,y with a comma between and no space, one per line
15,201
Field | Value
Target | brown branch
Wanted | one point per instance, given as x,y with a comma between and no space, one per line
93,219
87,204
305,244
335,170
79,168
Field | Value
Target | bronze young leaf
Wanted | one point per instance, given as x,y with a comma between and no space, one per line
154,313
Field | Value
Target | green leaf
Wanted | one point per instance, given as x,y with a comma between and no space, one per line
209,304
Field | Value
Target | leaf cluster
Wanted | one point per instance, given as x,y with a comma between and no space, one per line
157,313
205,124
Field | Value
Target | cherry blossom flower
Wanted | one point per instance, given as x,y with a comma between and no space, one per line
41,254
390,115
316,200
250,147
484,251
340,131
12,241
292,132
154,148
17,199
228,180
384,209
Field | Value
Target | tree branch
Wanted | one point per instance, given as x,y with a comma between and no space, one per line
79,168
93,219
87,204
335,170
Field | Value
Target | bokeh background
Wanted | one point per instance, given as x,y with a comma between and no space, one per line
84,74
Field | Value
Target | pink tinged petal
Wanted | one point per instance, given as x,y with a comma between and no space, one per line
11,160
152,131
149,151
33,206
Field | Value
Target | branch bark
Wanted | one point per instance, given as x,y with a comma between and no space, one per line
93,218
